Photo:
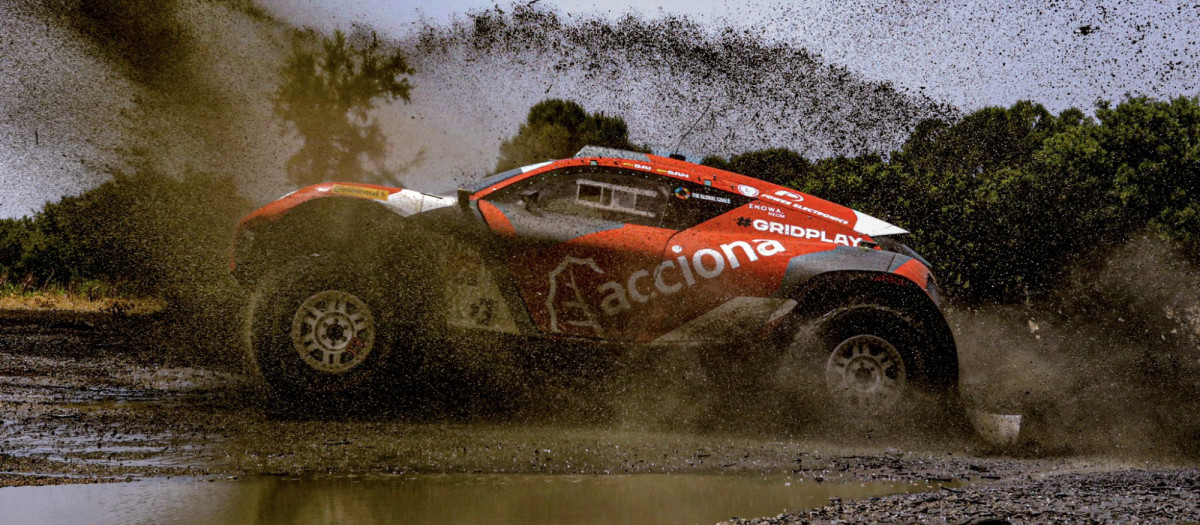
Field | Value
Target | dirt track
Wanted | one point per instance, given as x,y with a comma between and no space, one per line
87,399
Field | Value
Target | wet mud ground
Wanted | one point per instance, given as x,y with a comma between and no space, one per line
85,399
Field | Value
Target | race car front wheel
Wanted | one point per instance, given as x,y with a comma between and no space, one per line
862,364
873,359
333,331
866,373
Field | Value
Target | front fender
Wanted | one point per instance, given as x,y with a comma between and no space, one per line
804,268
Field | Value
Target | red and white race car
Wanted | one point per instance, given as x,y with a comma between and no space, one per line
608,248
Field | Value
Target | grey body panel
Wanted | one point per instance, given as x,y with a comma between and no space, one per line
562,229
802,268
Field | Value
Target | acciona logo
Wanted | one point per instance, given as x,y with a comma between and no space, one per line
673,275
570,311
565,302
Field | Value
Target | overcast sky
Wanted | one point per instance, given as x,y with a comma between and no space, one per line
964,52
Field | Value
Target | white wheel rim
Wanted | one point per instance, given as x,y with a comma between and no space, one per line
333,331
866,373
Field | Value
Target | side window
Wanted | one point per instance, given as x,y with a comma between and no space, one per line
595,193
692,204
618,198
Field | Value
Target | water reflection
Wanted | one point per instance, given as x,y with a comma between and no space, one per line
449,499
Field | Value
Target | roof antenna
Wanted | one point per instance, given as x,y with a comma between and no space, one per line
675,151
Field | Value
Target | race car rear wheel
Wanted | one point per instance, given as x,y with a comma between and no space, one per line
322,332
333,331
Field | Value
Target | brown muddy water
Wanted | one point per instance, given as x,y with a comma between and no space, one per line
446,499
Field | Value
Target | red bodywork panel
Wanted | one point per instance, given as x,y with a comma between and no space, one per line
277,208
767,193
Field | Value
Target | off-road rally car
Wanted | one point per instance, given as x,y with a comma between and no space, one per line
354,284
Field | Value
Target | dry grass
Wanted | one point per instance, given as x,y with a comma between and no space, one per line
88,296
41,301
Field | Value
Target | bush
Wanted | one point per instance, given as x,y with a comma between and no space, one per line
164,237
557,129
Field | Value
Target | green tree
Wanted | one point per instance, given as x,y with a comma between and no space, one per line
1154,151
556,129
778,165
330,87
163,236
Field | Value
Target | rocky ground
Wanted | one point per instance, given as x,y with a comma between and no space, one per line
85,398
1095,496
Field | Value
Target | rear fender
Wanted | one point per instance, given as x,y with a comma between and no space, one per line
332,216
343,226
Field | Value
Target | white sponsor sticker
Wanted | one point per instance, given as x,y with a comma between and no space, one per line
804,208
789,195
714,198
749,191
804,233
771,210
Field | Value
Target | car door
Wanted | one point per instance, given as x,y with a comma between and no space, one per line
712,264
583,245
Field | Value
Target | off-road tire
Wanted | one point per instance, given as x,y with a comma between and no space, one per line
874,359
866,366
325,331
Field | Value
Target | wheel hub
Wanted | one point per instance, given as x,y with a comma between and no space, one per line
866,372
333,331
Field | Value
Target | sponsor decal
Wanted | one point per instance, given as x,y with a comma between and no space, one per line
483,311
777,199
804,208
789,195
771,210
804,233
683,193
356,191
638,166
714,198
675,173
569,309
565,301
749,191
674,275
820,214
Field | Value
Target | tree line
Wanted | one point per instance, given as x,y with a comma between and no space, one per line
1004,201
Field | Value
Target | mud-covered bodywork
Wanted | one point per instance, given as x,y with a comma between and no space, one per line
614,246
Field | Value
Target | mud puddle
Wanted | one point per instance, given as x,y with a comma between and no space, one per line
446,499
